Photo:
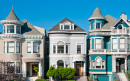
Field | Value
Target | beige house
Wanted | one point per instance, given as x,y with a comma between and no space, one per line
22,44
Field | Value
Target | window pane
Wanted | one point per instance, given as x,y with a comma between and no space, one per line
35,47
60,48
60,63
61,26
29,47
66,48
122,40
10,29
114,46
66,26
18,29
17,47
98,41
97,25
114,40
122,46
54,48
10,47
78,48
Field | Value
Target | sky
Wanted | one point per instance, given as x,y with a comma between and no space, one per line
47,13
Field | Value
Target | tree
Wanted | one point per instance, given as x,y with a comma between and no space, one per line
7,71
90,77
69,73
50,72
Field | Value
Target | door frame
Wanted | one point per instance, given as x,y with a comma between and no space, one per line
31,67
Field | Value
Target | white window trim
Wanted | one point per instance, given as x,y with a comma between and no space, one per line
67,23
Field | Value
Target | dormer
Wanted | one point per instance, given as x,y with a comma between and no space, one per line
66,26
11,25
96,21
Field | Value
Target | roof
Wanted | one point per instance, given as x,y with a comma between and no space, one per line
97,14
109,22
76,27
12,16
29,29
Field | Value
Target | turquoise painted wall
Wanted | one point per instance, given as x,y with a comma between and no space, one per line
94,56
109,63
128,63
106,43
92,43
93,21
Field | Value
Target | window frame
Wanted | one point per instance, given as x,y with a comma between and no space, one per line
10,46
10,28
60,49
98,24
79,51
99,44
114,44
122,44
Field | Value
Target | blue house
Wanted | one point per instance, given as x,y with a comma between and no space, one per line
109,43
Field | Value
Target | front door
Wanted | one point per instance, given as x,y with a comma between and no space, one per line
118,65
34,67
78,69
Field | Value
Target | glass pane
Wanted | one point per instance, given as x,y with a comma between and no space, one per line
98,46
97,25
122,46
29,43
78,48
61,26
18,29
10,44
10,29
35,49
98,41
66,26
60,48
35,44
114,46
114,40
29,49
60,63
11,50
54,48
122,40
66,48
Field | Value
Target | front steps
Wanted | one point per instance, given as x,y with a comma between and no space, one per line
31,78
122,76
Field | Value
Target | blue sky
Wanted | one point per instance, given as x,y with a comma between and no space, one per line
47,13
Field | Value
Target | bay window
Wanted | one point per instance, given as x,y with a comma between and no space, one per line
32,47
97,25
114,43
98,43
122,43
11,47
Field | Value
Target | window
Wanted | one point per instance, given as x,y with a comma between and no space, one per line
66,48
61,27
29,47
97,25
35,47
10,47
119,26
18,29
90,44
17,47
60,48
71,27
114,41
11,67
54,48
122,43
98,43
66,26
128,41
98,63
4,29
10,29
79,49
60,63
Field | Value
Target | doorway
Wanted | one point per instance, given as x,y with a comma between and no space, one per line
34,66
120,64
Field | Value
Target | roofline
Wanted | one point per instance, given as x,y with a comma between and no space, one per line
99,30
123,20
96,18
64,32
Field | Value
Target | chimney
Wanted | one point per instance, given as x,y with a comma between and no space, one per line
124,16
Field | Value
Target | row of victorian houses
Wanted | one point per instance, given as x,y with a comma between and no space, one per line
103,52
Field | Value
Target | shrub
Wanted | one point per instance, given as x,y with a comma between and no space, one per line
128,75
50,72
90,77
40,80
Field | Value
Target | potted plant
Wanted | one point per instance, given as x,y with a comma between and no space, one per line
28,73
36,70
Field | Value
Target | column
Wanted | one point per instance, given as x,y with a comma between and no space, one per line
15,67
24,69
31,47
15,29
40,68
113,64
15,47
84,69
5,47
126,64
56,49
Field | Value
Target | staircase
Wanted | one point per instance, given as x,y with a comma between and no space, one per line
122,76
81,78
31,78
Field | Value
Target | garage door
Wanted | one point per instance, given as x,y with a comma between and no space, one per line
103,78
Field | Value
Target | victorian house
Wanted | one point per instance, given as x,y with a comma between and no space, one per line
23,45
109,46
67,46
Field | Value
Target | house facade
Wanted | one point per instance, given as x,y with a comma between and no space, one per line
109,46
22,44
67,46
